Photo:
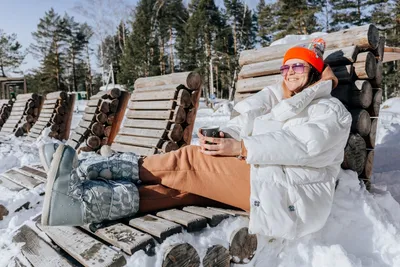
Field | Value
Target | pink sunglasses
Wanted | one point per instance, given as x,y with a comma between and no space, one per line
296,67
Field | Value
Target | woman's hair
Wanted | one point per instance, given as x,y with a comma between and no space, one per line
313,77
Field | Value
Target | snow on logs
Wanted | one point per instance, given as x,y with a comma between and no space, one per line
56,114
355,56
5,110
24,113
101,120
161,114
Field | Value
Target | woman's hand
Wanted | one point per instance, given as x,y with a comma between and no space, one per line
327,74
220,147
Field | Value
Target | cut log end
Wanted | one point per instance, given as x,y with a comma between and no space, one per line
242,246
355,154
169,146
216,256
193,81
181,255
93,142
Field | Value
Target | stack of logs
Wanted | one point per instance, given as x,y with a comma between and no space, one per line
161,114
5,110
24,114
56,114
355,56
101,119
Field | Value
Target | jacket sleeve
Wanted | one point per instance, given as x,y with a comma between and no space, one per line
250,108
315,143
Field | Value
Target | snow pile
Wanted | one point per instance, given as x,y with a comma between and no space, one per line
387,150
293,39
362,230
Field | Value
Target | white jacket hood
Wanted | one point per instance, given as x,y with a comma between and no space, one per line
295,147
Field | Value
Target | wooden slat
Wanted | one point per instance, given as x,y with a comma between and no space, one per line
14,117
46,111
21,179
19,104
213,217
143,151
49,105
88,117
35,130
155,226
34,135
72,143
77,137
231,212
85,249
93,102
154,95
37,174
85,124
124,237
161,87
191,221
9,184
141,114
7,130
138,141
152,105
82,131
43,121
148,124
90,110
50,102
142,132
37,251
19,109
46,115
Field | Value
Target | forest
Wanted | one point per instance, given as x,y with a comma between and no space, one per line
157,37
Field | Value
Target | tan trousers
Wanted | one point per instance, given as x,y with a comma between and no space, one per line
188,177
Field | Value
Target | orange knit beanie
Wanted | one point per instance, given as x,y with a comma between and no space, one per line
311,53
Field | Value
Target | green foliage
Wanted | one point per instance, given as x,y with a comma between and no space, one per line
11,55
386,16
60,43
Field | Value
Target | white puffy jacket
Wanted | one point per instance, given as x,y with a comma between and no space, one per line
295,147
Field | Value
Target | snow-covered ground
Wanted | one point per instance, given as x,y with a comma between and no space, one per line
362,230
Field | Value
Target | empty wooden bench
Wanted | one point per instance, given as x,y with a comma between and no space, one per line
56,113
101,120
161,114
24,113
5,110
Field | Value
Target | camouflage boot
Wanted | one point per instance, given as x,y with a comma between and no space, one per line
71,199
121,166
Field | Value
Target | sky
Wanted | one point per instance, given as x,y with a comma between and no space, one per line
22,16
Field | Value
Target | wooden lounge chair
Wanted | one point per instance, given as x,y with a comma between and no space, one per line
56,113
24,113
143,232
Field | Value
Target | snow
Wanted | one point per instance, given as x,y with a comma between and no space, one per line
362,230
293,38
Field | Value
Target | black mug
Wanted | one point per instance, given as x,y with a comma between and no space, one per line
210,131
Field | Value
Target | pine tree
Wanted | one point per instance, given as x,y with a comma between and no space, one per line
48,48
351,12
11,55
297,18
266,22
141,52
169,20
386,16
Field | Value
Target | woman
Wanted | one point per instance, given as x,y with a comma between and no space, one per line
281,163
